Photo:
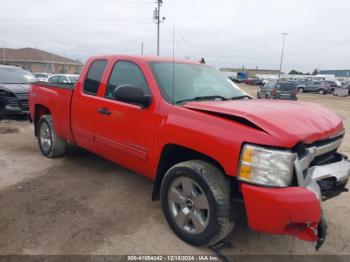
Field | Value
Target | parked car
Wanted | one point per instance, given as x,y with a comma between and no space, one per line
235,79
332,84
314,87
14,89
64,79
205,144
282,90
42,76
342,91
253,81
298,82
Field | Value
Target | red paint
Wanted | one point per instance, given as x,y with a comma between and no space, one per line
295,210
135,137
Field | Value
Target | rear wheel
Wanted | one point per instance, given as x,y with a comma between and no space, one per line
321,92
301,90
195,201
49,143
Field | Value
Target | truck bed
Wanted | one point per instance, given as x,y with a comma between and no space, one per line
56,99
56,85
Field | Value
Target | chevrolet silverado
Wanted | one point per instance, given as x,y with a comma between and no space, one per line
206,144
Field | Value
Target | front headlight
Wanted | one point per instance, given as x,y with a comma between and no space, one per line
265,166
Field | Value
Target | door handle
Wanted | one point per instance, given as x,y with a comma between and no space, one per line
104,111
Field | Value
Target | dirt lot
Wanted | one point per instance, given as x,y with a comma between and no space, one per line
82,204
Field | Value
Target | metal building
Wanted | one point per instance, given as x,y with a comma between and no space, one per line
336,73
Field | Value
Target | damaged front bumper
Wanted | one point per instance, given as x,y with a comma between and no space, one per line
325,180
297,210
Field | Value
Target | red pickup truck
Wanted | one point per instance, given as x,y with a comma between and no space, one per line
206,144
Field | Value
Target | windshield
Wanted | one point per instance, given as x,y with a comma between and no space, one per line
180,81
9,75
73,79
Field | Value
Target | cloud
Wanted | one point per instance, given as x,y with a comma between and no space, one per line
226,32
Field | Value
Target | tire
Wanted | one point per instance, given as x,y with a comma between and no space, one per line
49,143
321,92
204,223
301,90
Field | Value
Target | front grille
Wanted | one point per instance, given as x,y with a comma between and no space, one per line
23,101
301,149
315,154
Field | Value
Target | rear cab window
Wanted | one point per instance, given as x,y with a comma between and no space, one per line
94,75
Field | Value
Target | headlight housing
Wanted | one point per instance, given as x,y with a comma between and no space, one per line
264,166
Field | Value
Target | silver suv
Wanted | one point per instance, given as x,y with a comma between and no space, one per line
315,87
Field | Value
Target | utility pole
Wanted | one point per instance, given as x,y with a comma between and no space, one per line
4,51
156,16
284,39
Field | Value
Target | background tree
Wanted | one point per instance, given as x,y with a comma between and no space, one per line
315,72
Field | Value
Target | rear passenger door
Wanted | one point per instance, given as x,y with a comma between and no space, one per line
85,105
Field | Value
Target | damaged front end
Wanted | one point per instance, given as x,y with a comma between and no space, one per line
323,171
320,173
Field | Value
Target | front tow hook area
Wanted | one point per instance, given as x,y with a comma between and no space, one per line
321,232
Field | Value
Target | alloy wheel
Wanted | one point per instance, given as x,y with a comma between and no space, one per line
188,205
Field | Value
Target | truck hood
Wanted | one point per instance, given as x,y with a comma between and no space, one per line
292,122
15,88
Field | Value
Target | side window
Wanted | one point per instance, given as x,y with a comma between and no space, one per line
126,73
62,79
54,79
93,78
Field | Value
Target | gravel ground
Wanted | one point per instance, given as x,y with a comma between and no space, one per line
83,204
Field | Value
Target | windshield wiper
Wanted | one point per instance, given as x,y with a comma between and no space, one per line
199,98
240,97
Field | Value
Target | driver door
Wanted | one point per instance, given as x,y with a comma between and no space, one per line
124,131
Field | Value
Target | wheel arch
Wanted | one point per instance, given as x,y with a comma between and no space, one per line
39,111
173,154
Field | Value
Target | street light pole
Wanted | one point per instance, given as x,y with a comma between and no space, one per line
284,39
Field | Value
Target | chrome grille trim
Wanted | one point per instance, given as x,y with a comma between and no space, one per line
302,164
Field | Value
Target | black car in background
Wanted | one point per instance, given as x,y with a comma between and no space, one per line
282,90
14,89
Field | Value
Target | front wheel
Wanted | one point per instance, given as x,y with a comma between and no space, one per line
196,203
301,90
49,143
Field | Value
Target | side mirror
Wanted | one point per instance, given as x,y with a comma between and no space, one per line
132,94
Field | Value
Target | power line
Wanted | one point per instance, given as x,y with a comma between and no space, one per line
22,26
94,1
70,20
179,32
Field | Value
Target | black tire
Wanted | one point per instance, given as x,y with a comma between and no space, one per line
57,146
301,90
321,92
216,189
